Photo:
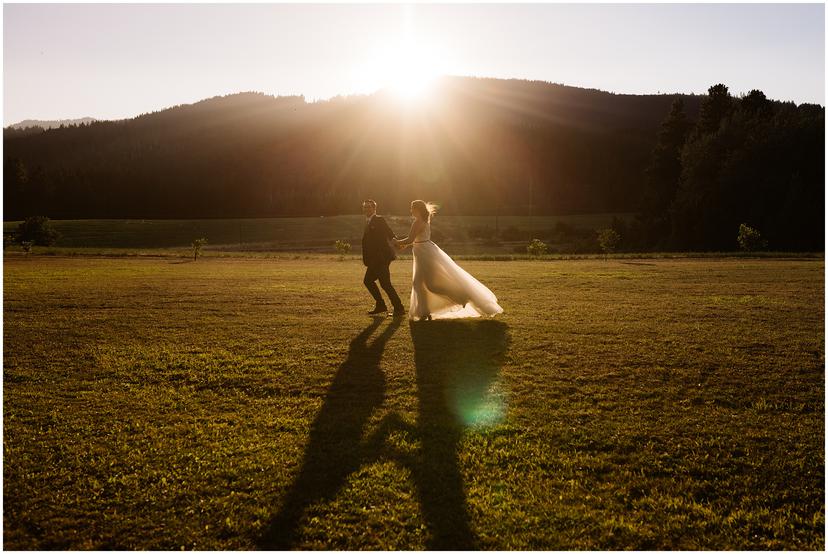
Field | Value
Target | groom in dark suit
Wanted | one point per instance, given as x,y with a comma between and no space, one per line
377,255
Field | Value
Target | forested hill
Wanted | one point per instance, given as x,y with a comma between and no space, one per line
41,124
694,167
476,146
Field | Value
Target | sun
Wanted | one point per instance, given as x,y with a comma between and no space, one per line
411,74
408,71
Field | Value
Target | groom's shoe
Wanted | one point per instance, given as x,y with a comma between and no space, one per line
378,310
399,312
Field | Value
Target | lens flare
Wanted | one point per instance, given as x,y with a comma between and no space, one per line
478,408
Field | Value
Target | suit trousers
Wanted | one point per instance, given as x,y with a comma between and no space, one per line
383,274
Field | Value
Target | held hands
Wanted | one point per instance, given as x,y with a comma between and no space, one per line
398,244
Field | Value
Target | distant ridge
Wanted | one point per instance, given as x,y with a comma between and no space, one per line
51,124
476,146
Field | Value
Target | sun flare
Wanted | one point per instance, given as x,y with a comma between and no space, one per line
412,75
408,72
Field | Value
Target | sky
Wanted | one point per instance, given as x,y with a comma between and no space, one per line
113,61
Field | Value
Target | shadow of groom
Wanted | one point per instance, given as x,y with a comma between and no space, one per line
334,449
456,364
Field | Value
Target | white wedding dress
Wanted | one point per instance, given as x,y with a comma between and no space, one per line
441,288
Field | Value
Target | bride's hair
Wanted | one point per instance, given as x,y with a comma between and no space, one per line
425,209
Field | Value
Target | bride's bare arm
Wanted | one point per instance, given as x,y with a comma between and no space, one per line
412,234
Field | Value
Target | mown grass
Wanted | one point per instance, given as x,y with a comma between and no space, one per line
292,233
249,403
186,253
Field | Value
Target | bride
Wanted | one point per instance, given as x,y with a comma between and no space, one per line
440,288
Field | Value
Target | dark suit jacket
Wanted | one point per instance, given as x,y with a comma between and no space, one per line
376,249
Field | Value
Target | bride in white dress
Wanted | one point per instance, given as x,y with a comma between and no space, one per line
440,288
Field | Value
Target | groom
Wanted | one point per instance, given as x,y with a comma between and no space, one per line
377,255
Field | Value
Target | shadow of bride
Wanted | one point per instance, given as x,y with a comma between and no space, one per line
334,448
457,363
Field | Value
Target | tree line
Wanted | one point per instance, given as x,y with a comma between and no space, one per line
477,147
744,161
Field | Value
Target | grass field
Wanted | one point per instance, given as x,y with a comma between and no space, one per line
250,403
310,233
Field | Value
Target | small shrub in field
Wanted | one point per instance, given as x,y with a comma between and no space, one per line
750,239
343,247
27,246
536,248
608,240
37,230
197,244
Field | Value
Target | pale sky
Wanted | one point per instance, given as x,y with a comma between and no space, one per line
112,61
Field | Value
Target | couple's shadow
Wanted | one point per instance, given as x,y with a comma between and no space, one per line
456,364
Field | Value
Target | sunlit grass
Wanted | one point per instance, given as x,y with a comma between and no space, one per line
250,403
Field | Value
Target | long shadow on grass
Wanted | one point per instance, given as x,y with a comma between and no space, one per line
334,450
457,362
